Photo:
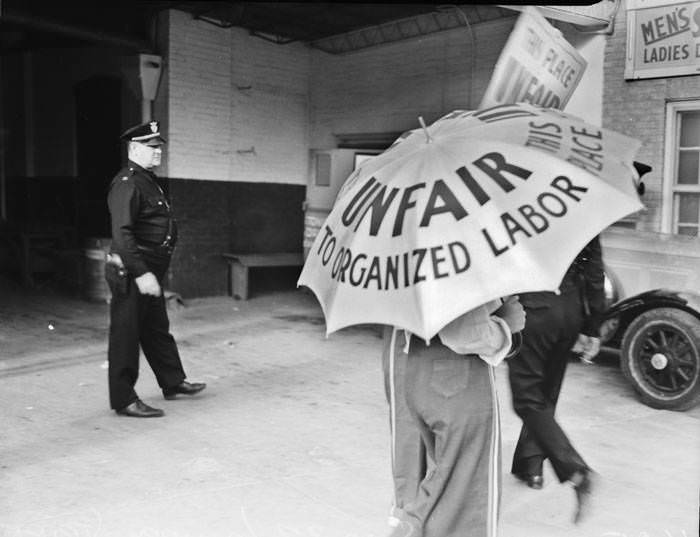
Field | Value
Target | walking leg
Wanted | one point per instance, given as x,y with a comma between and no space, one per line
123,349
454,396
408,457
158,344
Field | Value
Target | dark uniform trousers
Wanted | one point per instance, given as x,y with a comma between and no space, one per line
536,374
138,320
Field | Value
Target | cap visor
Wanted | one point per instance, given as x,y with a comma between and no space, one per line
158,140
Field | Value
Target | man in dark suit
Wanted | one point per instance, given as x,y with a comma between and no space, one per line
143,237
554,324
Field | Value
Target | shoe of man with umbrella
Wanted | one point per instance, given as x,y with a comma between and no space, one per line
433,238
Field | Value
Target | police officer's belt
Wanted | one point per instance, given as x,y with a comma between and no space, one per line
162,249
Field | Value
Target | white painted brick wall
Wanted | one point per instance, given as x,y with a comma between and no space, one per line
386,88
212,116
299,97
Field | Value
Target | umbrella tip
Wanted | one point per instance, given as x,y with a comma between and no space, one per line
425,129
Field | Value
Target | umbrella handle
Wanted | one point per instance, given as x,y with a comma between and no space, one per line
516,345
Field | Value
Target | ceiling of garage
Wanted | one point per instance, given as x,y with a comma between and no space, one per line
333,27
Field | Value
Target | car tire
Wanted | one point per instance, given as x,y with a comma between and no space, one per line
660,357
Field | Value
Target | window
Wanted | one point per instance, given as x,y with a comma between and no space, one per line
681,204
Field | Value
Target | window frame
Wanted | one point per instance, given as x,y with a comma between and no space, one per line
669,205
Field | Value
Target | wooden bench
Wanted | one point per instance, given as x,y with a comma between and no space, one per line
240,264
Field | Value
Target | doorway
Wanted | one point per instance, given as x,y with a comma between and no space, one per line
98,151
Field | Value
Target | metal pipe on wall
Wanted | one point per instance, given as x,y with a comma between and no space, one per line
146,110
150,66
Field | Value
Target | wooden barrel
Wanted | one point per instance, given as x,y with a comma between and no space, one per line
95,286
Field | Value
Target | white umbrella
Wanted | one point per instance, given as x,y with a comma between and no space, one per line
477,206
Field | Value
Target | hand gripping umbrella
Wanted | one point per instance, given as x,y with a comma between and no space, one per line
477,206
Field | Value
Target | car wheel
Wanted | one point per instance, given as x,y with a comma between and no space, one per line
661,358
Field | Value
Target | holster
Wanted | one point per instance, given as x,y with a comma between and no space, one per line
117,278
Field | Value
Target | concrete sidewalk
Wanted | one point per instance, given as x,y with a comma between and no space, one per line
289,439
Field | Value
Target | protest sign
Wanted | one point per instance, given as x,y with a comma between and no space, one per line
537,66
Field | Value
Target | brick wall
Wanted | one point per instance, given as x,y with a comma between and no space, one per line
638,108
226,93
216,216
236,112
386,88
230,92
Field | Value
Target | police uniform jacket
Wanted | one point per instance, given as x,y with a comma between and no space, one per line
144,231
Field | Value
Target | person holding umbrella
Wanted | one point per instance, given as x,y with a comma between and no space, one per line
448,390
477,206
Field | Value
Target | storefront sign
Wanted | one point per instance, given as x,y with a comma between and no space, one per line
537,66
663,39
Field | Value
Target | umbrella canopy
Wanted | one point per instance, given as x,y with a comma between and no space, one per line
477,206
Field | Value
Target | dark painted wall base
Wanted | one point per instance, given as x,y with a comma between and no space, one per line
213,217
216,217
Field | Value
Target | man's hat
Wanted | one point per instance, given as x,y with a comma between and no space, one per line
641,169
147,133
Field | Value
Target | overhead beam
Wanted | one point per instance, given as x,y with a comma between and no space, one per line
106,38
594,16
389,32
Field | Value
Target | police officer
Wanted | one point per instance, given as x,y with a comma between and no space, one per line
554,324
143,237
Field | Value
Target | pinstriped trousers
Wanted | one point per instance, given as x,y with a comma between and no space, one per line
452,400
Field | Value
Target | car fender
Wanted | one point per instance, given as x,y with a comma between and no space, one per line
618,316
658,298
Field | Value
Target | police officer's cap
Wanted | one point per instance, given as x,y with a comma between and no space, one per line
146,133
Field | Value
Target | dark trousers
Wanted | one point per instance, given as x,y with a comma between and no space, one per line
138,320
536,374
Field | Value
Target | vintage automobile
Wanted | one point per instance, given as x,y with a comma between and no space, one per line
657,336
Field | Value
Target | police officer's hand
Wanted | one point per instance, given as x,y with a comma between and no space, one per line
148,284
513,313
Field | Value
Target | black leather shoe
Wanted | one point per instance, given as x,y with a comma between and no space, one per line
533,481
184,388
583,486
139,409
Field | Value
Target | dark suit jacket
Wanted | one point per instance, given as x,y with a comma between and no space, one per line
586,279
